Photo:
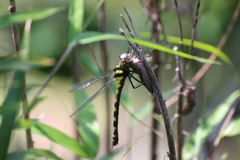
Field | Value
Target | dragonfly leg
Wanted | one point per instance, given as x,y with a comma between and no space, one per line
131,76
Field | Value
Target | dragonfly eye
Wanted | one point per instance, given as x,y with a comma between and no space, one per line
125,57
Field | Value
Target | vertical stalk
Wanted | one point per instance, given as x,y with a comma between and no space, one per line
155,19
103,48
157,27
17,43
181,79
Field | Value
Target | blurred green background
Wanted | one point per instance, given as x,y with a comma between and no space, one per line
49,39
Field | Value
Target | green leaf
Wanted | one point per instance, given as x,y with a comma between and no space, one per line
110,155
197,44
91,37
224,156
203,46
26,40
23,64
32,154
233,128
88,63
25,123
93,13
60,138
193,145
37,14
75,18
88,127
130,149
9,111
35,102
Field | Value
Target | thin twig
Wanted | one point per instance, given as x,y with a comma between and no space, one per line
17,43
181,79
104,52
144,124
15,28
157,91
221,43
193,35
206,66
55,69
154,15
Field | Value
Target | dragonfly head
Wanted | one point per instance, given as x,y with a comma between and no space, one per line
125,57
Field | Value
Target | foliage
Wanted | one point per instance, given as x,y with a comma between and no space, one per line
81,34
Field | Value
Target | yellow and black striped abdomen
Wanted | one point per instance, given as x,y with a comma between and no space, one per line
120,76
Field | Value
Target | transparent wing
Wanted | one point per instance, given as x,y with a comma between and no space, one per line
100,91
89,82
154,66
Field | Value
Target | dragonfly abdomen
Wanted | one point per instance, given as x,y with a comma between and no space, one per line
120,76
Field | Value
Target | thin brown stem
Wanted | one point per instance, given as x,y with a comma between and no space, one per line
157,91
103,48
157,27
206,66
160,134
75,75
221,43
17,43
15,29
193,35
181,79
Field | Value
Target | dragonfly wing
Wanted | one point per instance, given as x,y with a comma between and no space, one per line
154,66
89,82
100,91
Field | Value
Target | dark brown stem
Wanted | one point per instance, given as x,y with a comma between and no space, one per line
181,79
221,43
157,91
75,74
193,35
103,47
17,42
15,28
157,27
154,15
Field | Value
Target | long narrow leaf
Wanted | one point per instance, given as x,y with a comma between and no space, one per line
203,46
129,149
88,126
203,131
60,138
75,18
91,37
93,13
23,16
9,112
23,64
32,154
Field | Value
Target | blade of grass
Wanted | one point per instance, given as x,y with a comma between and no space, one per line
197,44
60,138
23,16
91,37
75,18
93,13
88,127
9,112
23,64
129,149
190,149
32,154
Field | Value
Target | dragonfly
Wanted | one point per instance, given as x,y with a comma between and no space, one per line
128,65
